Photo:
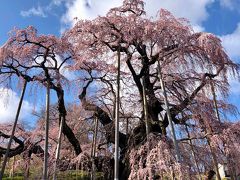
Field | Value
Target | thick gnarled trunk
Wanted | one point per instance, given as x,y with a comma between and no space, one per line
66,130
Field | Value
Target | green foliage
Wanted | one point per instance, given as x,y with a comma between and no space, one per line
14,178
64,175
17,175
78,175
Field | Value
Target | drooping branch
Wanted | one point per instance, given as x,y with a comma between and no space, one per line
33,148
175,110
23,147
15,151
103,117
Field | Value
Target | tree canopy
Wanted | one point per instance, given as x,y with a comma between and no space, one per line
194,68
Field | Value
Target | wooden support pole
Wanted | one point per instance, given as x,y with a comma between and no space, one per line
13,130
208,140
215,101
127,126
214,157
116,155
193,153
93,153
58,148
45,164
168,114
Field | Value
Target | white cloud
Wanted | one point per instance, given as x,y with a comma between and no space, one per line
198,28
226,3
87,9
70,75
8,106
195,11
57,2
231,43
230,4
39,11
234,86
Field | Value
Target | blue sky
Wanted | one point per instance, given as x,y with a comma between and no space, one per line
221,17
222,20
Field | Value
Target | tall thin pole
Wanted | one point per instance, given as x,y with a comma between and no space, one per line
27,168
45,164
215,101
13,130
116,155
93,153
193,153
208,140
216,108
168,113
58,148
214,95
127,124
145,108
214,157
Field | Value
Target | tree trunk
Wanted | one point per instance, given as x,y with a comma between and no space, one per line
66,130
145,108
